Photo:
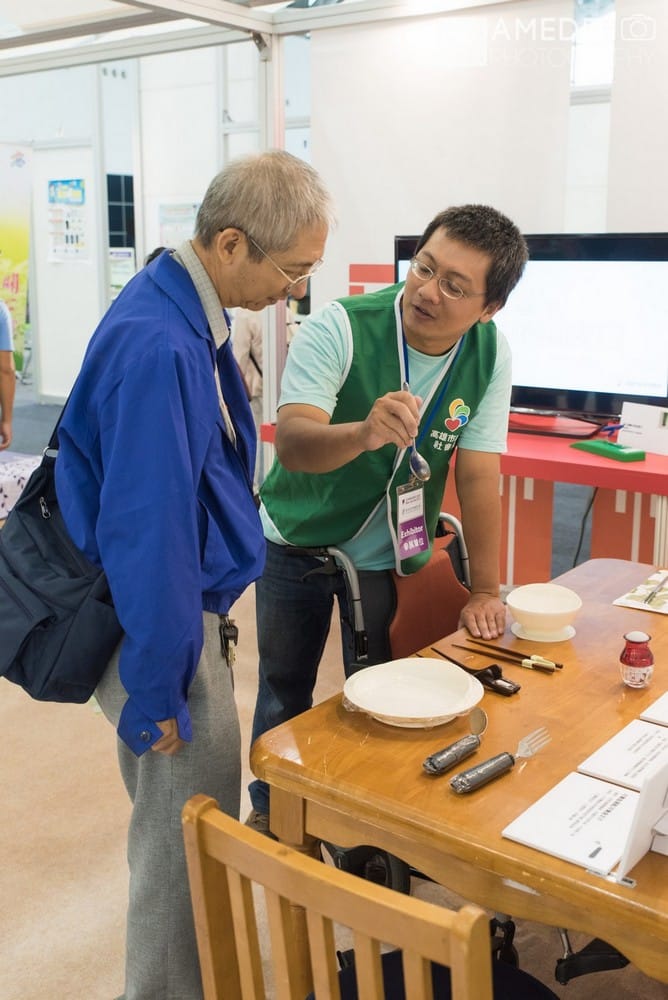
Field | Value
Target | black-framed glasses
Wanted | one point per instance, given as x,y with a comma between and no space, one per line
446,286
292,282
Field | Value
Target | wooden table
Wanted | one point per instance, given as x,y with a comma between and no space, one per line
348,779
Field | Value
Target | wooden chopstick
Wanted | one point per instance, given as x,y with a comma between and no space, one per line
516,654
524,661
458,663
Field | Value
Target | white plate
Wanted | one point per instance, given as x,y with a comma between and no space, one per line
559,635
415,692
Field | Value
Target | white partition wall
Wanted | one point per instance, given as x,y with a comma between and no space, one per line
181,134
70,294
637,187
410,117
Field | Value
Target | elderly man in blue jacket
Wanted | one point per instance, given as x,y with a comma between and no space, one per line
154,478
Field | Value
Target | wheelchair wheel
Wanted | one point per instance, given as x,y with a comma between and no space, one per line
386,869
503,933
372,864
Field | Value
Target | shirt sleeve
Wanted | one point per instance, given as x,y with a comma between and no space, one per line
6,339
318,360
147,533
488,431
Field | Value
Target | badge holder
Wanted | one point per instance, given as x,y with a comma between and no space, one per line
411,523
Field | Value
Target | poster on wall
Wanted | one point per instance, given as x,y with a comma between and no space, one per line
15,199
68,224
177,223
121,268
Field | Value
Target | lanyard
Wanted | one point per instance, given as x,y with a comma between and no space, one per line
425,427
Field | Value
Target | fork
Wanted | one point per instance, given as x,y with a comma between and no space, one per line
476,777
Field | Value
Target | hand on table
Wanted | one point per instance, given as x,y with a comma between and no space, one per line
484,615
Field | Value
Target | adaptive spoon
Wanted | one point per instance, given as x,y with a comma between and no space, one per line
419,466
443,760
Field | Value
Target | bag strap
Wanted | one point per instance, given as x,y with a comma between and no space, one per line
51,450
254,362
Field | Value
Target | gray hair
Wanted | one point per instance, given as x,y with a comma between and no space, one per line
486,229
270,196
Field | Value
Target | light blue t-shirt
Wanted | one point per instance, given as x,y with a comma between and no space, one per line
6,339
318,362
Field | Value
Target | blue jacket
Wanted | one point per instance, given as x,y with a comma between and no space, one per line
152,489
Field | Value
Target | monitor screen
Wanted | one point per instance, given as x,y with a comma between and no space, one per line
587,324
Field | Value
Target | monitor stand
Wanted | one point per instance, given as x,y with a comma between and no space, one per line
551,423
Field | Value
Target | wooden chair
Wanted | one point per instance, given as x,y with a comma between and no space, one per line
304,900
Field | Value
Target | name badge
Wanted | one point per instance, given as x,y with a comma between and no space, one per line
411,525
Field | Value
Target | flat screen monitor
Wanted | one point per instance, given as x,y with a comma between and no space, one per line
587,324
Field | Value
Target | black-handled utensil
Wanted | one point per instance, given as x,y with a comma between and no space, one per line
494,767
490,677
455,753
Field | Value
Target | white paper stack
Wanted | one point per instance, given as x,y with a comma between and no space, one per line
613,809
582,819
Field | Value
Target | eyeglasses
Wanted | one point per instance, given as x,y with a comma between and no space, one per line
292,282
449,288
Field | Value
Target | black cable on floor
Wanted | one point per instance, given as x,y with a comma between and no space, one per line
583,524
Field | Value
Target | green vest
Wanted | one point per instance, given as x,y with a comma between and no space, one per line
318,509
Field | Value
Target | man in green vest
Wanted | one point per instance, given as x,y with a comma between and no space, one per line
367,379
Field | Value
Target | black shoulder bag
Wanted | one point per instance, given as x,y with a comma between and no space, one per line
58,626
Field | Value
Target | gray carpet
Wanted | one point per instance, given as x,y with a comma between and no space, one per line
33,421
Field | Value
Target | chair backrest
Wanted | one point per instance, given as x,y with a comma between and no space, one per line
304,899
428,602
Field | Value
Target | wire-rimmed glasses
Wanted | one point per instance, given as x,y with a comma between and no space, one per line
292,282
446,286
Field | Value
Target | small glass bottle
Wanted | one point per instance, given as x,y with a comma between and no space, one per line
636,662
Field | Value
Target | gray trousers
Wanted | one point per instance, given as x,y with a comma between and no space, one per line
161,951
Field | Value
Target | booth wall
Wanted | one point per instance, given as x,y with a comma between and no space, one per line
637,188
156,119
79,123
411,117
180,132
42,106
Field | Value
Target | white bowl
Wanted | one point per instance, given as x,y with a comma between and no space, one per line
543,611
